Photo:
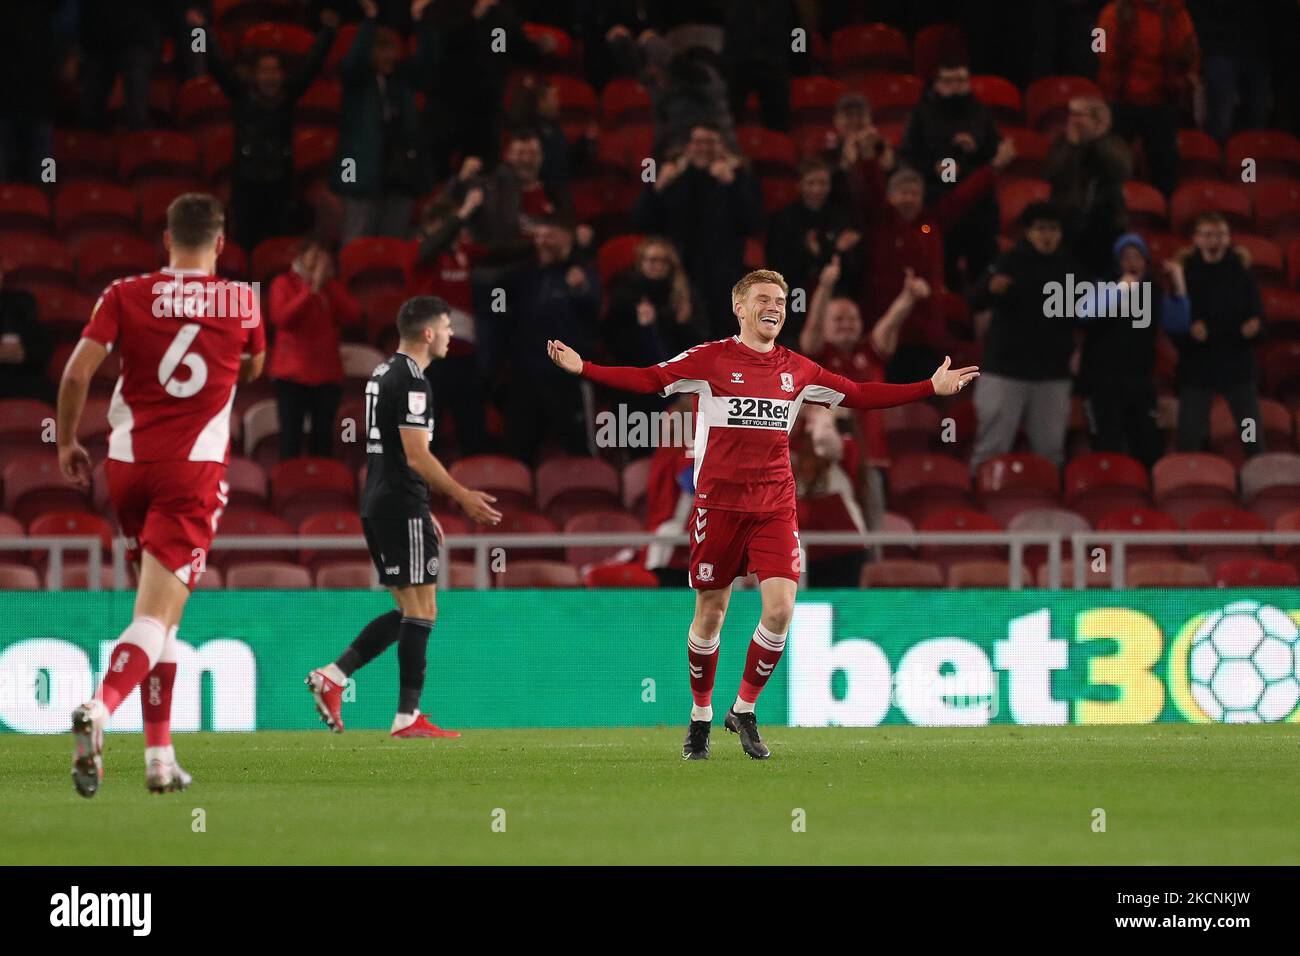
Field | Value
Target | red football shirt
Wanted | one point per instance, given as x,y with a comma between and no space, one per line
181,336
745,403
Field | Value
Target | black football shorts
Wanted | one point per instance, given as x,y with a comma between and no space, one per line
404,550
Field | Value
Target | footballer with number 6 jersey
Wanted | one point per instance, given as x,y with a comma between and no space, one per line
401,533
186,340
748,391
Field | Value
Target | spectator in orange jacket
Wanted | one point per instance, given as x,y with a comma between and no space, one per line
1148,70
308,308
903,233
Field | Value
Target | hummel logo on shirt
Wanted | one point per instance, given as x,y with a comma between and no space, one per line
737,378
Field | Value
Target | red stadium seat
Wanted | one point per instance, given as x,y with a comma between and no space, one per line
201,104
598,522
1014,195
34,486
636,479
1057,520
960,519
285,39
1270,484
1196,196
274,256
33,257
24,207
10,527
986,574
1031,152
1184,483
1147,208
619,576
617,254
359,360
623,101
622,151
901,573
371,262
313,152
1274,152
329,524
920,484
1289,521
561,43
1166,574
304,486
1101,482
76,576
1258,573
1092,578
346,575
828,512
218,148
914,427
1277,209
83,153
1001,96
892,95
320,104
1048,99
343,38
1281,371
507,478
267,576
233,261
14,577
870,46
1263,257
88,206
813,99
897,524
1009,484
771,153
1226,432
525,522
539,574
572,484
1140,520
1225,519
247,480
1199,155
25,424
70,524
251,522
156,152
103,261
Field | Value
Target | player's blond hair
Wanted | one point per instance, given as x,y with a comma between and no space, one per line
757,277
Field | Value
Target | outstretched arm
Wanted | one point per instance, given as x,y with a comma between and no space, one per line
837,390
625,377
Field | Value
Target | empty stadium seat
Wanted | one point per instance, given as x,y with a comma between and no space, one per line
1199,155
1277,209
1101,482
538,574
69,524
1014,482
101,262
1146,205
24,425
359,360
24,207
267,576
35,257
864,47
247,481
80,153
617,254
1166,574
33,485
1014,195
1196,196
525,522
598,522
1225,519
1273,151
372,262
622,575
892,95
901,573
572,484
1282,306
636,478
508,479
897,524
960,519
201,104
1184,483
156,152
1270,484
1264,258
986,574
248,522
274,256
912,428
1259,572
1092,578
1047,99
920,484
17,577
304,486
1000,95
625,100
77,577
813,99
345,575
1141,519
331,524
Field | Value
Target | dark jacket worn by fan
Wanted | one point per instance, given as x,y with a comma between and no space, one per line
1225,296
1022,342
632,343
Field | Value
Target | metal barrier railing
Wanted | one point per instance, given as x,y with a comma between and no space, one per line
1080,541
482,545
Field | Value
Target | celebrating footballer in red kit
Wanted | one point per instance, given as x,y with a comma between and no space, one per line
186,339
748,391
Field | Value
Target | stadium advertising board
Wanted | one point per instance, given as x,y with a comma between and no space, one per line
617,658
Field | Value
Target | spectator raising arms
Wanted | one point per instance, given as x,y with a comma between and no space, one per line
706,203
378,167
1217,346
1147,70
262,187
308,308
1026,376
652,314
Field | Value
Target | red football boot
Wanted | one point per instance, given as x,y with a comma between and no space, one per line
329,699
422,728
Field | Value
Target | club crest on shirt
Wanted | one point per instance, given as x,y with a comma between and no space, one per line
787,382
416,402
704,572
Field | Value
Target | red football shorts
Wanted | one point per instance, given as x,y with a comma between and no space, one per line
726,545
170,509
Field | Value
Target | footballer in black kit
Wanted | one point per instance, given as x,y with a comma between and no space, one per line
403,536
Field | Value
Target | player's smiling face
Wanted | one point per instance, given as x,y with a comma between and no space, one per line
763,309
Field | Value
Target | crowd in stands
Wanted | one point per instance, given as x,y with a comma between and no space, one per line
602,173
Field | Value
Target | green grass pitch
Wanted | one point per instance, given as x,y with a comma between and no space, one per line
1172,794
